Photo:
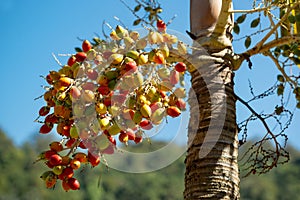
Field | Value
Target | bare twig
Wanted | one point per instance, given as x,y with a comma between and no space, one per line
281,70
269,132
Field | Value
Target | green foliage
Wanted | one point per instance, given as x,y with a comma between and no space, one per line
19,181
247,41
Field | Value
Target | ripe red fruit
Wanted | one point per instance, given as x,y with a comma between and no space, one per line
131,134
173,111
92,74
80,56
174,77
83,144
44,110
75,92
104,90
146,125
49,165
49,153
75,164
131,66
46,128
88,86
181,104
180,67
107,101
112,140
55,160
49,79
108,150
56,146
51,119
138,139
74,184
66,173
161,25
86,46
70,142
65,185
72,61
123,137
93,159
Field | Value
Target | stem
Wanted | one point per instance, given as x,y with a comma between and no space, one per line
284,17
281,69
269,132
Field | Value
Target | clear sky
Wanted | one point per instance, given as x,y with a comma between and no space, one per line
30,31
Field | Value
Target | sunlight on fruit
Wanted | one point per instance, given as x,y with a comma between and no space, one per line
114,89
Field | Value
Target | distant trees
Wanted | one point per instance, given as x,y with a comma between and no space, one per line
19,180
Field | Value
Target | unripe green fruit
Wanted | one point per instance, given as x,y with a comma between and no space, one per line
45,175
116,58
138,79
180,93
57,170
163,73
145,111
157,116
114,129
128,41
141,44
137,117
112,75
104,123
102,142
74,132
133,54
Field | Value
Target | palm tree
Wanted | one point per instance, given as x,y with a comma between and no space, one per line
211,162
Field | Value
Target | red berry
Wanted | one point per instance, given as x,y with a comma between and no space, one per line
55,159
65,185
108,150
51,119
161,25
131,134
49,79
56,146
49,153
174,77
46,128
70,142
88,86
93,159
75,92
66,173
80,56
112,140
173,111
146,124
104,90
44,110
180,67
86,46
72,61
74,184
131,66
123,137
138,139
181,104
92,74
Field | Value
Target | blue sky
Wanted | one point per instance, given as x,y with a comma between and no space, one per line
30,31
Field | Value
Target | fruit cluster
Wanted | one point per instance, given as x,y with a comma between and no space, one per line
115,88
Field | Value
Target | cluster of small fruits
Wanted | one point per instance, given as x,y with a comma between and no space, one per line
116,88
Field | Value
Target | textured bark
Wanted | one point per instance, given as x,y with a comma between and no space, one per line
211,162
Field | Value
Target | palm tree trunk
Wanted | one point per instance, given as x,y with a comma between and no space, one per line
211,162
